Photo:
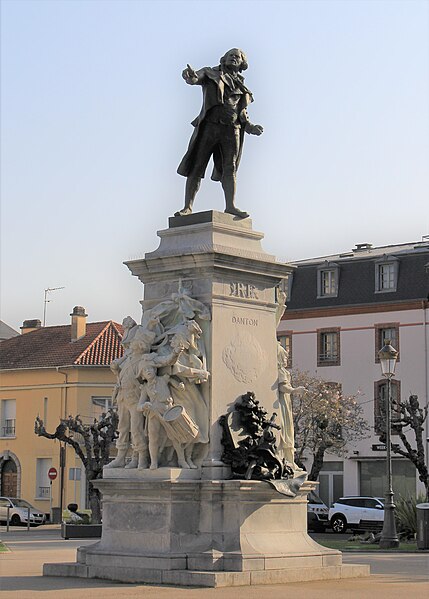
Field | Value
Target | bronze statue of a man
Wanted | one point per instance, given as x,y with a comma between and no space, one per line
219,128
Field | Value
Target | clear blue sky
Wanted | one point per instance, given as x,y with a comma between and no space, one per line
95,118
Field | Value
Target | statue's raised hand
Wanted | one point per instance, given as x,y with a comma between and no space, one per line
300,390
189,75
254,129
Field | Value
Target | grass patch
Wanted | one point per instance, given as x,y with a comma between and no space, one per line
344,545
3,548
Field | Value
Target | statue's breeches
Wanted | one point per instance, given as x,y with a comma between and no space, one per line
221,141
130,421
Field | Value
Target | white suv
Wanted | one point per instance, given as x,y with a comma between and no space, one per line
365,513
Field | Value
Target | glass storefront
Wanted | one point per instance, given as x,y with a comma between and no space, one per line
373,478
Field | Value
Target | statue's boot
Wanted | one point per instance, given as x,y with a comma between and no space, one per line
232,209
188,457
237,212
134,462
184,464
184,212
228,185
119,461
191,189
143,459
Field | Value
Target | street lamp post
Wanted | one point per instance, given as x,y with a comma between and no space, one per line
389,537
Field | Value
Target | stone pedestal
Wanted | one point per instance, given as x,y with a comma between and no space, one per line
194,527
219,259
204,533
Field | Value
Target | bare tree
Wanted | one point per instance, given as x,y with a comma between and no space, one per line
410,416
325,420
91,442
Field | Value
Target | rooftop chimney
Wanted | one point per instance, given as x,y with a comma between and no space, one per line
362,247
78,323
30,325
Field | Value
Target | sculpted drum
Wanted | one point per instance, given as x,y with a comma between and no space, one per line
180,425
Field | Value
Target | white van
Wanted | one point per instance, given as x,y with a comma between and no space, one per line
317,513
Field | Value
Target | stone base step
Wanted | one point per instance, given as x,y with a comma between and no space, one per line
206,579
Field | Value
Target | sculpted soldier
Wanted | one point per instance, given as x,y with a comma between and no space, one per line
219,128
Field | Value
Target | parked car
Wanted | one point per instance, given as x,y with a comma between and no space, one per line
317,513
18,512
357,513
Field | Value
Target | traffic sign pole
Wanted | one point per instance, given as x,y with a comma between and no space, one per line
52,475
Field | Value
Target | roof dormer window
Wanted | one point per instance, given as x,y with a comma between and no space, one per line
386,274
327,280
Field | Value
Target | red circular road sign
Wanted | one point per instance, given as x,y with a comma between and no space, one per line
52,473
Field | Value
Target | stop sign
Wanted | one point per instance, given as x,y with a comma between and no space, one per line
52,473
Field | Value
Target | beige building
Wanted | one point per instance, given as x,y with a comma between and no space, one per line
52,372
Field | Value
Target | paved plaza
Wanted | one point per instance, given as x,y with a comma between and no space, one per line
393,575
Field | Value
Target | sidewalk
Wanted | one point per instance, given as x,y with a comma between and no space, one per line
393,576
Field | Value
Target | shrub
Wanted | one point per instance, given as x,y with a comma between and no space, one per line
406,515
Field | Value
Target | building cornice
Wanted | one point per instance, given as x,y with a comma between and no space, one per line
55,368
87,385
325,311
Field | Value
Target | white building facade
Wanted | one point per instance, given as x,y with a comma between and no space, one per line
341,309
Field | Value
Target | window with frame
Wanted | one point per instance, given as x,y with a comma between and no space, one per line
328,347
380,397
285,340
386,277
327,280
100,404
42,490
386,274
386,332
8,418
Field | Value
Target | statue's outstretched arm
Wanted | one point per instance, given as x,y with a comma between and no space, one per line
192,77
286,388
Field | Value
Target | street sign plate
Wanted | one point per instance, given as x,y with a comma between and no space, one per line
52,473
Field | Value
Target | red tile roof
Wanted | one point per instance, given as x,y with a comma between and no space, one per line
52,346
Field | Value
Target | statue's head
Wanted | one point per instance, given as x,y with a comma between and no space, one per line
148,372
194,328
128,322
234,59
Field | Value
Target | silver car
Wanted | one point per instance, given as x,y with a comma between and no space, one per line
18,512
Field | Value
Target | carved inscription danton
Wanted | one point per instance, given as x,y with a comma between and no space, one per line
245,290
253,322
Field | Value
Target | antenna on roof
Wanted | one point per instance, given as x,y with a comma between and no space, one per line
46,300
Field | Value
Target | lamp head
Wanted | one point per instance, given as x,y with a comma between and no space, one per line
388,356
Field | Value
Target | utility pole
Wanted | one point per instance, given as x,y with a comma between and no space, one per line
62,468
46,301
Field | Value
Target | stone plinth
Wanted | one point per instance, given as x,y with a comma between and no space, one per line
204,533
193,526
219,259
